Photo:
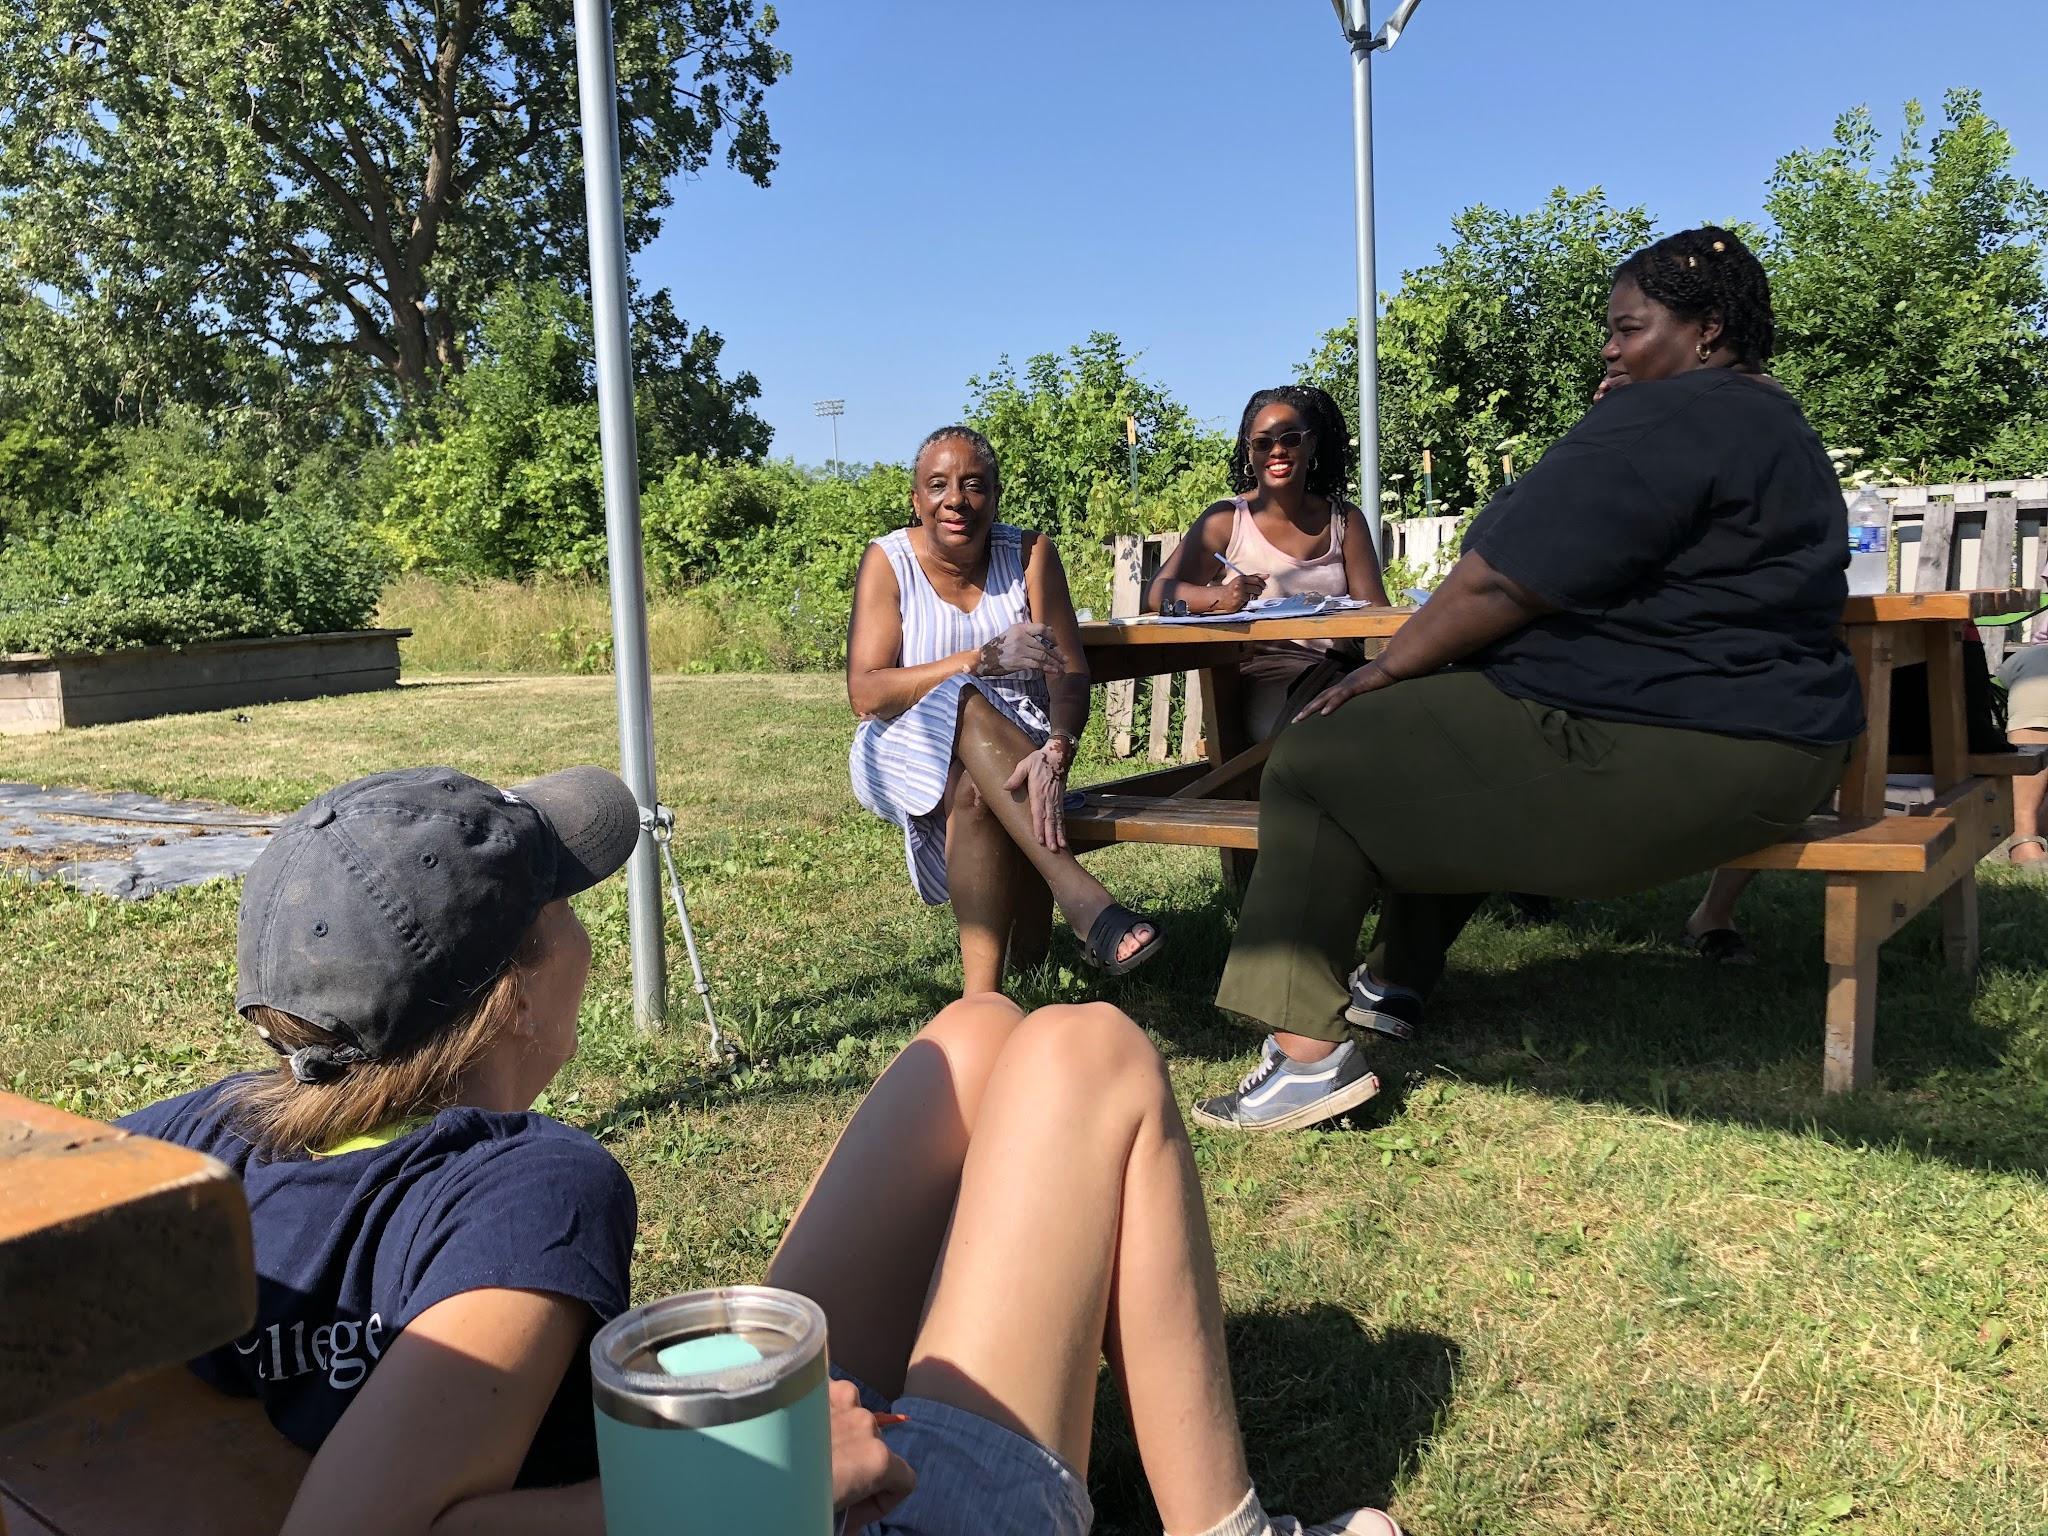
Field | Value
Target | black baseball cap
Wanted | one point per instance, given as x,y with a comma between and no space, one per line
381,909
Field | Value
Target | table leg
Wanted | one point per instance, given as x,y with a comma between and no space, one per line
1222,694
1950,736
1851,950
1863,780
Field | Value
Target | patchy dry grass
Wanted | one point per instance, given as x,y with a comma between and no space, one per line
1604,1261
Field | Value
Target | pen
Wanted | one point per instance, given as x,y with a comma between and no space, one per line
1233,569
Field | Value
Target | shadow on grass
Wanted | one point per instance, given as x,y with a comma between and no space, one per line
1332,1415
1604,1003
1610,1007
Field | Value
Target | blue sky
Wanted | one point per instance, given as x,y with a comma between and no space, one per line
964,180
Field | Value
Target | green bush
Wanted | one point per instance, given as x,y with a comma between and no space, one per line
136,574
775,546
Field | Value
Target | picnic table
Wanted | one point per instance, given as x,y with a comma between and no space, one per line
1882,869
120,1257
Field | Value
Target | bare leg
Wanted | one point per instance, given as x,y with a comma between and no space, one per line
866,1238
1717,907
989,746
1031,928
2027,796
981,868
1079,1210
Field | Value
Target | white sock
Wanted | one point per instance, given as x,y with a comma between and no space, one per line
1248,1519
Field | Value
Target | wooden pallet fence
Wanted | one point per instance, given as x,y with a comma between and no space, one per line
1983,534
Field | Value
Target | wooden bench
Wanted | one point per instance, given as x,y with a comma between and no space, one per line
1881,873
1891,845
119,1257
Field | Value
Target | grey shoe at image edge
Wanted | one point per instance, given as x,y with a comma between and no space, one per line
1383,1007
1281,1094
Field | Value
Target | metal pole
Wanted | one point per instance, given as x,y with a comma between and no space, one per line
603,202
835,445
1368,289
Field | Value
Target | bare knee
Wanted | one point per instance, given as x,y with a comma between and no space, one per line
973,1032
1090,1053
962,798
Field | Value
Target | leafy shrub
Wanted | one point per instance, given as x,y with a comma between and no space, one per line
776,546
135,574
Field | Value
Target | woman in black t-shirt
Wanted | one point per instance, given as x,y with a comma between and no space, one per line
1633,673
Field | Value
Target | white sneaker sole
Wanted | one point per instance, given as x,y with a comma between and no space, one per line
1331,1105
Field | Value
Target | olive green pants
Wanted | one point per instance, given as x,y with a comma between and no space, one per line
1434,792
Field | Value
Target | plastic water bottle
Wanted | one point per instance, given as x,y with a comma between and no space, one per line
1870,537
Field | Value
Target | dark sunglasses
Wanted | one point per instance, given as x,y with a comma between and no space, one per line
1262,445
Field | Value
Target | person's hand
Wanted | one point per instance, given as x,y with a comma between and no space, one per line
1043,775
868,1479
1021,648
1365,679
1239,591
1609,383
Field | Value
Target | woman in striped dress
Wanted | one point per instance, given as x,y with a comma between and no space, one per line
964,664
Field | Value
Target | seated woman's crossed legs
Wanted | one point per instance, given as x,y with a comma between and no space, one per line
999,868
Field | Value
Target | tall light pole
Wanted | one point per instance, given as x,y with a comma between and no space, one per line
603,208
834,409
1355,18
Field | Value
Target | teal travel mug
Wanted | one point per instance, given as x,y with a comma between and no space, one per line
712,1416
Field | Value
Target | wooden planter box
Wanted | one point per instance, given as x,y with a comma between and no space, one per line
46,693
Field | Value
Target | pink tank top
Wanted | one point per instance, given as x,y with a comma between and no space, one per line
1318,576
1286,576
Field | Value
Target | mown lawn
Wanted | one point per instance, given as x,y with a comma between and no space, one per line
1604,1260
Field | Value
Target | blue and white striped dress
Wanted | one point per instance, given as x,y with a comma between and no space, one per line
900,766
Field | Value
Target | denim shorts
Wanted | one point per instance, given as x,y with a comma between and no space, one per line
974,1477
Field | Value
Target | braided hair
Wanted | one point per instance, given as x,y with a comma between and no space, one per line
1709,273
1330,470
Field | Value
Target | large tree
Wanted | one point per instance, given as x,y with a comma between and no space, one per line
510,482
1497,340
1911,305
338,184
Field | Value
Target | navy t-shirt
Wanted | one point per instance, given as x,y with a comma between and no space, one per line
351,1248
1692,534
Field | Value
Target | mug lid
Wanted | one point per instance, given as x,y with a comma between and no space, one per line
789,1331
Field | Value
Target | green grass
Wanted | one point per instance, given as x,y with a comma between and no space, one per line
1603,1261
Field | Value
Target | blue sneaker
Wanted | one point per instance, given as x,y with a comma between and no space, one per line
1382,1006
1282,1094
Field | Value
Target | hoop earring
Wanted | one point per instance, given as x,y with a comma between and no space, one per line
1703,351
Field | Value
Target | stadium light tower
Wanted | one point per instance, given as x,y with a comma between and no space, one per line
834,409
1355,18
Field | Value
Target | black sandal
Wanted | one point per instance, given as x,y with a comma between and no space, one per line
1107,934
1721,946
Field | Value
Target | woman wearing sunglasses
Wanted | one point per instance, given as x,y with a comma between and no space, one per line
1288,532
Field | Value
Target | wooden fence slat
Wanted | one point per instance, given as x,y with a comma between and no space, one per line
1191,716
1126,598
1995,568
1937,536
1162,708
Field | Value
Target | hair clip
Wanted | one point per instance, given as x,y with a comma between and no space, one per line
1718,246
1692,261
